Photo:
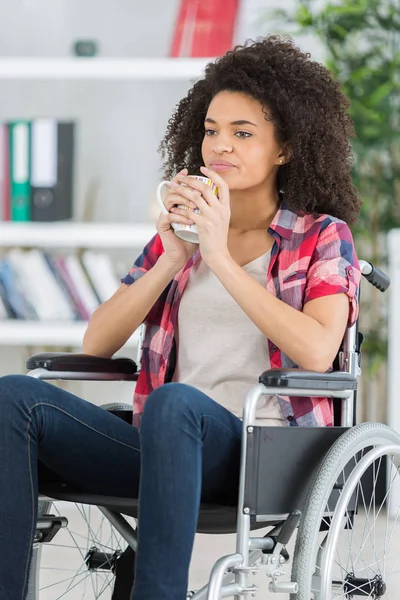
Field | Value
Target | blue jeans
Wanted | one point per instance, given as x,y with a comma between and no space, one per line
187,452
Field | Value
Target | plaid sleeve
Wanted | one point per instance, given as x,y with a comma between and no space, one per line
334,267
145,261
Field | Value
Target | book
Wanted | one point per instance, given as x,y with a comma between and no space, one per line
20,305
31,286
6,311
60,264
19,157
52,262
81,283
4,173
99,267
2,134
52,158
60,308
3,311
39,285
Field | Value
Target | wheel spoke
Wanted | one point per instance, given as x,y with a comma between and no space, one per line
92,551
361,554
367,570
68,579
367,521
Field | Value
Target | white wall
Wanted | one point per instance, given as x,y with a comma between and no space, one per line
123,27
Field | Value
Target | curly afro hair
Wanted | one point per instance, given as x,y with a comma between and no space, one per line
309,113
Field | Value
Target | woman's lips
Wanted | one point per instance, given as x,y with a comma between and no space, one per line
222,166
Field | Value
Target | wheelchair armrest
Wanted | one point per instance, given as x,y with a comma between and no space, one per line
81,363
296,378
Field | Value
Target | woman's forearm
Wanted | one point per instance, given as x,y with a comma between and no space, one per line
112,324
305,340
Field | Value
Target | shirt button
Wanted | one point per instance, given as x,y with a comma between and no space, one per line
350,272
290,418
274,348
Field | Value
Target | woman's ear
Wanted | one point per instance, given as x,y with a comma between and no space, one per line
284,156
281,160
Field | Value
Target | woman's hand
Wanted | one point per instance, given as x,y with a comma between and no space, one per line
213,222
177,251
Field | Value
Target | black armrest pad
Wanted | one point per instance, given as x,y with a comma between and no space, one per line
296,378
83,363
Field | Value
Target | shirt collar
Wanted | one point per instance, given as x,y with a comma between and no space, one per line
282,225
283,222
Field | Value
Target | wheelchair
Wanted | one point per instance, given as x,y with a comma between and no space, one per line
332,496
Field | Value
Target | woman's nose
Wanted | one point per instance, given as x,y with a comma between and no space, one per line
221,146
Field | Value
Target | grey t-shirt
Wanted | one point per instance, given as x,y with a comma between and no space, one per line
219,349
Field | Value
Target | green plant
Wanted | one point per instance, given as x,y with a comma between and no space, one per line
361,41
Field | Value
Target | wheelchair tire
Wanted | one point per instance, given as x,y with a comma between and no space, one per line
315,538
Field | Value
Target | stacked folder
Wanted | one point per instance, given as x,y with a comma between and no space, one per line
36,170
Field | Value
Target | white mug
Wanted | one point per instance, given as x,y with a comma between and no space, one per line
185,232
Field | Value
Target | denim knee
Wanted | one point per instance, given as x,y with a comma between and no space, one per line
15,389
167,406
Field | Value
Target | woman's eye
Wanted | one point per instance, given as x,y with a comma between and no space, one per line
240,134
243,134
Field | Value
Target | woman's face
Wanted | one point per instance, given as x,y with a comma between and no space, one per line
239,143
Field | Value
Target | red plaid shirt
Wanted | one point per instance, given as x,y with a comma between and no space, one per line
311,257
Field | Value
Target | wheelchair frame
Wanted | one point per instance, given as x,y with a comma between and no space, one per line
268,550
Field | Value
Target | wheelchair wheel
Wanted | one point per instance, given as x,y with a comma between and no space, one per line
80,562
347,543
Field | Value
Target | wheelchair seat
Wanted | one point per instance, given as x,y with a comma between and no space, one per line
278,481
212,518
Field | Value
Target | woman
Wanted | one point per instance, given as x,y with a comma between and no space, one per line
273,282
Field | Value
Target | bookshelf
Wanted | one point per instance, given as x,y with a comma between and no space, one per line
157,69
37,333
75,235
66,236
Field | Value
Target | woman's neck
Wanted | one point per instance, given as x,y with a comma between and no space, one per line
252,211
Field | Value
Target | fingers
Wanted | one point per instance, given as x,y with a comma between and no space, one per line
223,188
182,173
215,178
173,198
169,200
174,218
201,193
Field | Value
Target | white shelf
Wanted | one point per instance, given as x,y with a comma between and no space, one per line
38,333
103,68
76,235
